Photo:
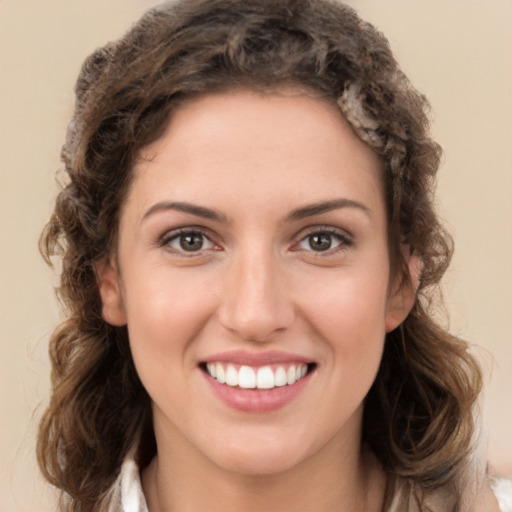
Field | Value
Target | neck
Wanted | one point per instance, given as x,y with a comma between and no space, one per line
329,482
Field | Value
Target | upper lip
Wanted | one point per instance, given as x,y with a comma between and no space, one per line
243,357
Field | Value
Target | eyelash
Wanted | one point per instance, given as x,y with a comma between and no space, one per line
344,241
175,235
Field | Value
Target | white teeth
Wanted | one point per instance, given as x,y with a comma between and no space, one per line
246,377
211,369
290,377
219,370
280,377
264,377
231,376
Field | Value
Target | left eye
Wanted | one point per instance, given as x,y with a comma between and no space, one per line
190,241
322,241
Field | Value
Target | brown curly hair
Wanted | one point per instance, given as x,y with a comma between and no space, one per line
418,416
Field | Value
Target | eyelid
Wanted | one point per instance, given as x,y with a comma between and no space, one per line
346,240
172,234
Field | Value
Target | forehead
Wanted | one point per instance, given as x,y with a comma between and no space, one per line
249,142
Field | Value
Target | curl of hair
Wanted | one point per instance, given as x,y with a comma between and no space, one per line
418,416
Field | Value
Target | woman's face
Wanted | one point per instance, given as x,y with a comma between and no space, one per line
253,248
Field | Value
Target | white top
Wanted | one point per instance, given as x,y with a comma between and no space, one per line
502,488
126,494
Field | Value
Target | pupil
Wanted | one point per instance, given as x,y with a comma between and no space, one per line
191,242
320,242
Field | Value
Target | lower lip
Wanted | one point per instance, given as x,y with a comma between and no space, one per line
257,400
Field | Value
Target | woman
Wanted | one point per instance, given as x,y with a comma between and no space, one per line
250,252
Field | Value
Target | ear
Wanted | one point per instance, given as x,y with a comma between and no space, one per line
403,295
109,286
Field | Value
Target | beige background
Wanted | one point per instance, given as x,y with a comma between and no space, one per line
459,52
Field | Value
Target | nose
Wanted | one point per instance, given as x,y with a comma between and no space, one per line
255,304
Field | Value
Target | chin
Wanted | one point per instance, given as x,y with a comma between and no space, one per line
259,456
259,464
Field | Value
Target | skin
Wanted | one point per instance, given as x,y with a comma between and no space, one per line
258,283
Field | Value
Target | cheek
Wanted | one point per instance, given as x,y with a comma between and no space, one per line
164,313
349,300
349,313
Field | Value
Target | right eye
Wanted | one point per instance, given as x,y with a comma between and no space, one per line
188,241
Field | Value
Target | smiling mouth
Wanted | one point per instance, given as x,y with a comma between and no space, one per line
262,377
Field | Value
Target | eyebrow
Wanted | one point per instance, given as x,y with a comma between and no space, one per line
297,214
326,206
198,211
